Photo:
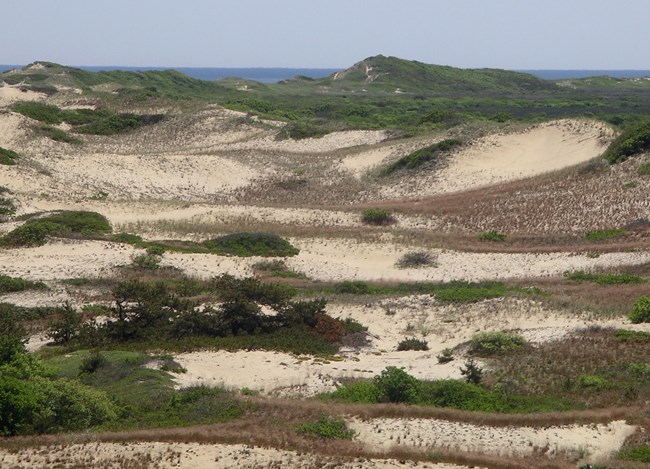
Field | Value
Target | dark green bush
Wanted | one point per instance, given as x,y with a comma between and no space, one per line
631,142
114,124
377,216
251,244
490,343
396,385
8,157
34,231
641,311
472,372
354,287
412,344
421,156
327,427
46,113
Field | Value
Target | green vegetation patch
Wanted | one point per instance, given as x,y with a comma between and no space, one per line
641,311
631,142
35,231
639,453
598,235
251,244
117,124
421,156
15,284
59,135
7,206
412,343
45,113
603,279
395,385
8,157
492,235
495,342
377,216
644,169
469,292
327,427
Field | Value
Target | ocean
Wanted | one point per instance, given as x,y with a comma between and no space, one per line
274,75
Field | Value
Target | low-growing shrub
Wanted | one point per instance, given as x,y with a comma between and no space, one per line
327,427
468,292
354,287
494,342
603,279
59,135
412,344
597,383
492,235
7,206
8,157
377,216
446,356
46,113
146,261
632,141
641,311
598,235
15,284
251,244
416,259
639,453
34,231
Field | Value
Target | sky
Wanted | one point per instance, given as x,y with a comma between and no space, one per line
510,34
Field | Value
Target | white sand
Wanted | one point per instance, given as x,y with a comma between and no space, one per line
185,455
504,157
586,442
11,93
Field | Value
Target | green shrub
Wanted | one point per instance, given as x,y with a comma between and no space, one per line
472,372
15,284
492,235
598,235
361,392
59,135
421,156
155,250
8,157
127,238
251,244
327,427
67,325
277,268
34,231
603,279
354,287
377,216
412,344
597,383
112,125
415,259
352,326
92,363
7,206
446,356
633,141
396,385
494,342
46,113
625,335
146,261
639,453
641,311
468,292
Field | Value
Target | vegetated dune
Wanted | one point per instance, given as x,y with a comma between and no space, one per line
505,157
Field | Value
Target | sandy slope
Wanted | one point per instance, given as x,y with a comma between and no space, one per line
186,455
504,157
587,442
11,93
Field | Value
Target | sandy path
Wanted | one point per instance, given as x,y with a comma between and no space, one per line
504,157
184,455
587,442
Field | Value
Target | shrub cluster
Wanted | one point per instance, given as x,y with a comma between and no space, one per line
251,244
641,311
377,216
416,259
412,344
632,141
36,230
492,235
494,342
8,157
327,427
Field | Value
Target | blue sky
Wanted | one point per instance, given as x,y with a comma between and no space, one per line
513,34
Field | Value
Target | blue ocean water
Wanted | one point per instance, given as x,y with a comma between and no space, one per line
273,75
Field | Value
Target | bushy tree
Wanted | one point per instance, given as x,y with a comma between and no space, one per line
396,385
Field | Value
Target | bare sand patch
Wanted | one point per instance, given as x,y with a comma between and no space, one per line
584,442
61,259
185,455
11,93
504,157
10,129
328,143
